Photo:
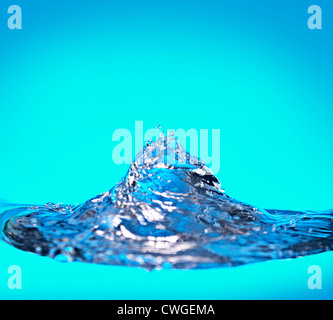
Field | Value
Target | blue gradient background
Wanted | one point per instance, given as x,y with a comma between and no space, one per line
78,71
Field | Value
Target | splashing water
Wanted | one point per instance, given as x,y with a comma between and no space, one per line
168,212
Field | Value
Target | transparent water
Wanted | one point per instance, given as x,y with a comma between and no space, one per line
169,211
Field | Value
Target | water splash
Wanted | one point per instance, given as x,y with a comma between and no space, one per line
169,211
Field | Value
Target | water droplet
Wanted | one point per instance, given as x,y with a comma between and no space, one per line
38,249
63,258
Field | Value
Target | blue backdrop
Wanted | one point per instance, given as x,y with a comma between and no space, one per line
78,70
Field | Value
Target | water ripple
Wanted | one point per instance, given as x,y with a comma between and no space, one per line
169,211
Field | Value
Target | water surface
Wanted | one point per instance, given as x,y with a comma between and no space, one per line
169,211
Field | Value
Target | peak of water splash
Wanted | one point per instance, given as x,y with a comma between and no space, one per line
169,211
166,152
